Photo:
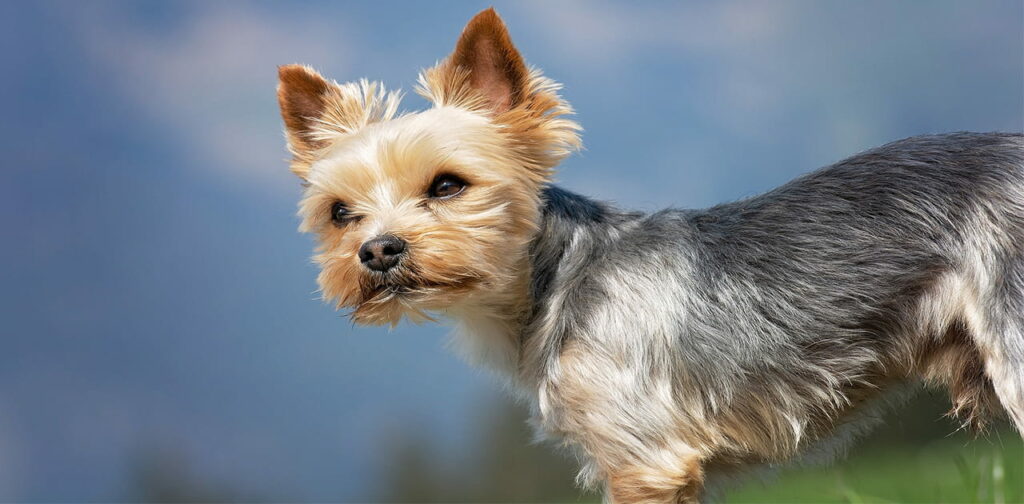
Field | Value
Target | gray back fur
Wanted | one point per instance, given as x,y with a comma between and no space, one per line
793,296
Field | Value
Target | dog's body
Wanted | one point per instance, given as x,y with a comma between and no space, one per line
664,345
752,330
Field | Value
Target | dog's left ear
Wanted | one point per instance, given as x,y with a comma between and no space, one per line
496,69
486,74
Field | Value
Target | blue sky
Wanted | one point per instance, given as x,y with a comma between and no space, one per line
155,292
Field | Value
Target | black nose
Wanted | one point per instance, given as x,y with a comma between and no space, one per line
382,253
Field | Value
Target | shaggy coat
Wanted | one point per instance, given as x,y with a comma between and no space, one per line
756,330
664,347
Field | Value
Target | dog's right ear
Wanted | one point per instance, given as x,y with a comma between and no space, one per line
302,94
317,111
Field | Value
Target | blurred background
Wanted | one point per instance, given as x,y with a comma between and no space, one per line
160,334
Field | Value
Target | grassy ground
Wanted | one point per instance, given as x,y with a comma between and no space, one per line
957,469
909,458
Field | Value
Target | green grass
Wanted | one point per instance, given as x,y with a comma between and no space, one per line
953,470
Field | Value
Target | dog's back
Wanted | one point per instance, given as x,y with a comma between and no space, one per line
771,320
908,257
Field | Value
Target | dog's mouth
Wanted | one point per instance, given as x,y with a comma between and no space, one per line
405,284
387,301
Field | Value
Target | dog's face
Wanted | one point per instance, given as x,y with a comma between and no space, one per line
430,210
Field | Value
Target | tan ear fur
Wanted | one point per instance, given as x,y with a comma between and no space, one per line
302,96
495,67
485,73
316,111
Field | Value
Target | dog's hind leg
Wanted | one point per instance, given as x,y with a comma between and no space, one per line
1002,348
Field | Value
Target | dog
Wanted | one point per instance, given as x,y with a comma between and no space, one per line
670,347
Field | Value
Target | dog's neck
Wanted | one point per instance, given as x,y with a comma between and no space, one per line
494,331
488,326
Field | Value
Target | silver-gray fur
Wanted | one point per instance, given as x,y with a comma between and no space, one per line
753,331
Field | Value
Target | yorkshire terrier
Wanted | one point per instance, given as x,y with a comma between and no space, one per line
669,346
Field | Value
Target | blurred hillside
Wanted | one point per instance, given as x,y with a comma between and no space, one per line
502,465
917,455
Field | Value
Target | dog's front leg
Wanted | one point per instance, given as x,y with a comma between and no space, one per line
675,478
629,429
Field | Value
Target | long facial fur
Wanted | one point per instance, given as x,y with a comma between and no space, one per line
495,123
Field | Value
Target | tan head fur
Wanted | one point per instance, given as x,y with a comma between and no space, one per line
495,125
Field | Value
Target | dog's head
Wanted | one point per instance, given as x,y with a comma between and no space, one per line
424,211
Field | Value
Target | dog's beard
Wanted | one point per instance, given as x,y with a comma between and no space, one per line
407,290
433,275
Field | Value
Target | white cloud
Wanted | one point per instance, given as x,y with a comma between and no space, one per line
212,79
852,74
748,66
605,33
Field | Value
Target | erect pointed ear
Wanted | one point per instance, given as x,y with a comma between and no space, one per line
486,74
303,96
317,111
496,69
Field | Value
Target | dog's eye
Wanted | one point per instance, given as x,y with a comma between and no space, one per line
339,212
446,186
